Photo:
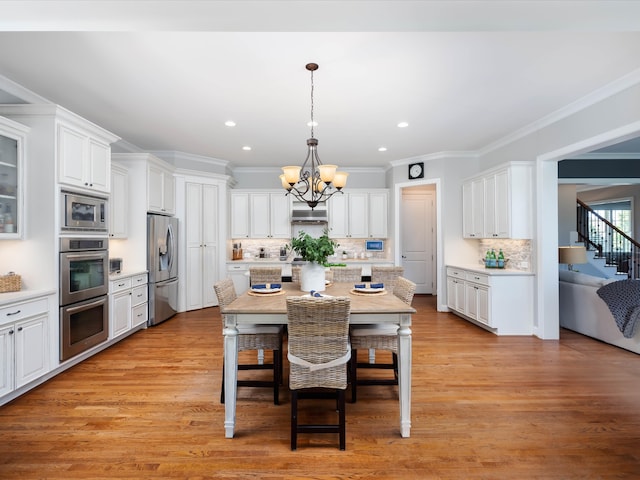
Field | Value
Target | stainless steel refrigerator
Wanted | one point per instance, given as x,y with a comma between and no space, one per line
162,263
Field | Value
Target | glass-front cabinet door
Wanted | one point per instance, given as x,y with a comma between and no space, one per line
12,137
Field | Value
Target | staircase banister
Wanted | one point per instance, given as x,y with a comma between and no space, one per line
608,223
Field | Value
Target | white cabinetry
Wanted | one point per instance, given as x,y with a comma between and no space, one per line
119,203
500,300
24,343
476,294
358,214
201,225
128,309
498,204
84,161
378,211
260,214
12,141
240,227
456,290
160,189
239,273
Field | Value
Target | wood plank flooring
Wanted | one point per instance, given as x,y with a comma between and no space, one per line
484,407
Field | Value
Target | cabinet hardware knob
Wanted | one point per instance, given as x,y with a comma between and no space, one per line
13,313
10,332
19,329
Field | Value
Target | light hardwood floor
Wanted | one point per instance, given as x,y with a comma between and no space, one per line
484,407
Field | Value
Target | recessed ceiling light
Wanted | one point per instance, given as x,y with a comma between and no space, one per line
246,147
382,149
403,124
230,123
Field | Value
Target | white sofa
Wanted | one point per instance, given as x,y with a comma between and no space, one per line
583,311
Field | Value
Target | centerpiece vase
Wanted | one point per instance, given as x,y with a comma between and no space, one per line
312,277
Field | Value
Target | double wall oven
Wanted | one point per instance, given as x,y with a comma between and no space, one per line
84,288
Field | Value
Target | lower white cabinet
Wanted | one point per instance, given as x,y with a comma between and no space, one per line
24,343
128,304
239,273
499,300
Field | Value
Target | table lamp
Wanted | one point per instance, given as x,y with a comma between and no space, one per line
572,255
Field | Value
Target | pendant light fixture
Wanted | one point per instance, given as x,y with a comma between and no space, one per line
313,182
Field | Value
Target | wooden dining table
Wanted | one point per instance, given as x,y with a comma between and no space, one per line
367,308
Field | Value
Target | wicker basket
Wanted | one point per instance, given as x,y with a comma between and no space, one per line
10,283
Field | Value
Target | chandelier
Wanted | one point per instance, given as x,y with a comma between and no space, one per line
313,182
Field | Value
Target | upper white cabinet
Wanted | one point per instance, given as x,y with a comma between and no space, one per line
358,214
260,214
12,145
201,225
84,161
161,187
499,203
145,169
119,204
378,214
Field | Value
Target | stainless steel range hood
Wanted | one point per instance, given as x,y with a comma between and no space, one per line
301,213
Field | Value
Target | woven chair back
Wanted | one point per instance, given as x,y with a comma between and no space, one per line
318,330
404,290
226,293
265,275
386,274
295,273
346,274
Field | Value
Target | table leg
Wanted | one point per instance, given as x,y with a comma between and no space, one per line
230,374
404,374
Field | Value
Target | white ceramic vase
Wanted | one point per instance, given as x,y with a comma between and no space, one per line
312,277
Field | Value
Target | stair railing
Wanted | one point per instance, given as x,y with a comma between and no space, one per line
611,243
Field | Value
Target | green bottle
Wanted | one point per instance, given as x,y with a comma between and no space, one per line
500,259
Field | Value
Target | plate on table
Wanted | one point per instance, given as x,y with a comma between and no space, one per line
266,290
368,290
322,295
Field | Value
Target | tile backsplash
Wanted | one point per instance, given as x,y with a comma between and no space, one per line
354,247
518,252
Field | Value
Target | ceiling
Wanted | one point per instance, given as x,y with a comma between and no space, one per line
463,74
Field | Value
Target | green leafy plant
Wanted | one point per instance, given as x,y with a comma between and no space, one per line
314,249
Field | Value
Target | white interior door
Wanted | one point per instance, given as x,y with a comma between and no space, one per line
418,237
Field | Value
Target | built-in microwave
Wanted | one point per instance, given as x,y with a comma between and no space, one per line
82,212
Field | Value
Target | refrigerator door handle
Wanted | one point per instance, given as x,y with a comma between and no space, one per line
171,246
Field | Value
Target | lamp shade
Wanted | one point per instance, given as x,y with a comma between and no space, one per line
572,255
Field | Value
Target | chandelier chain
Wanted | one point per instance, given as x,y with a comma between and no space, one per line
312,88
313,182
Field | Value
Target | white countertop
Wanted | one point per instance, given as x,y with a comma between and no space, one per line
22,295
290,259
126,274
491,271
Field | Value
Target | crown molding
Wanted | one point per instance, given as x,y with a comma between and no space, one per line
434,156
623,83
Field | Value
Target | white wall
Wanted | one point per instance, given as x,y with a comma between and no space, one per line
579,129
566,213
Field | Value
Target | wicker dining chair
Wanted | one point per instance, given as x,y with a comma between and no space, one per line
253,337
387,274
265,275
318,355
378,337
295,273
346,274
